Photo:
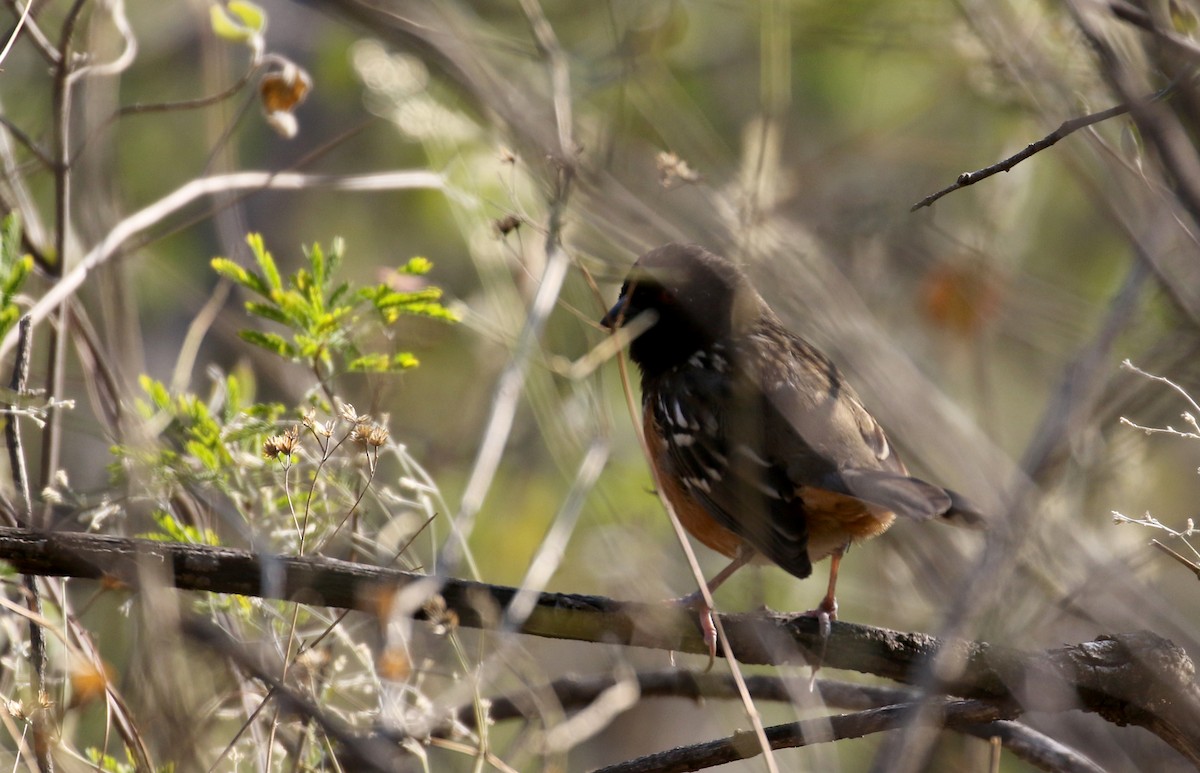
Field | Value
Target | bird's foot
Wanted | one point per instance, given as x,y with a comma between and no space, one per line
708,627
826,613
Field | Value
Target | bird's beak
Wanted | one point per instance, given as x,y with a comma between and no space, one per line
618,315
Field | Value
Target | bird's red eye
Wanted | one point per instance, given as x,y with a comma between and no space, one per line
665,298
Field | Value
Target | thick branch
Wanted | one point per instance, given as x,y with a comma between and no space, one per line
1129,679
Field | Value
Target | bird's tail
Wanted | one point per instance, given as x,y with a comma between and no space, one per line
962,512
907,497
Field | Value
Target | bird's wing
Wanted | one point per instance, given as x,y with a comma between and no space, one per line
720,469
818,430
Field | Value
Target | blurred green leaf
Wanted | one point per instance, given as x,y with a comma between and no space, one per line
250,15
15,268
417,266
324,318
272,342
228,28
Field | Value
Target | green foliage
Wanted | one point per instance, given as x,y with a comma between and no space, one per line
110,764
239,22
323,316
171,530
210,440
14,270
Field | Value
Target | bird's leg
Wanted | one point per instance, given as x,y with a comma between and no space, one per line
826,611
708,626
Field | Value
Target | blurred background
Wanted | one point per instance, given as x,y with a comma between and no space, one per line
986,332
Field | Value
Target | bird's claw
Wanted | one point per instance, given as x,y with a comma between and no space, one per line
708,626
826,613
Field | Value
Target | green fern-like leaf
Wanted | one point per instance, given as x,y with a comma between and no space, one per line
369,363
266,262
417,266
156,391
272,342
238,275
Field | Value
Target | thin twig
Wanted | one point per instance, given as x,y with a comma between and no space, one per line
550,553
805,733
1195,568
37,638
153,214
572,692
16,32
366,752
1065,129
56,355
511,381
1141,19
27,142
1069,406
1161,129
12,428
35,34
191,104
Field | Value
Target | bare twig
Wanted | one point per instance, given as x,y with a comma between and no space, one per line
37,639
57,344
12,429
361,752
1065,129
512,379
27,142
1033,747
34,33
1139,18
1192,565
191,104
1161,129
1072,402
16,32
153,214
573,692
804,733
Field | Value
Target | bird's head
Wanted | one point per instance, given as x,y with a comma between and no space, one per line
697,299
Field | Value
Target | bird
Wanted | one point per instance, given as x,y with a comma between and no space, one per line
763,450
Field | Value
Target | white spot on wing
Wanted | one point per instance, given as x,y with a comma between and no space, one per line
768,490
749,453
680,419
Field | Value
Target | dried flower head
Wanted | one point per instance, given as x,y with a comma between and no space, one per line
673,170
347,413
373,435
282,445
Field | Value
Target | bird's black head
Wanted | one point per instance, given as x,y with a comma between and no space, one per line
697,299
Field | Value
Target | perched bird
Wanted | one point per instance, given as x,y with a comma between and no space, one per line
759,444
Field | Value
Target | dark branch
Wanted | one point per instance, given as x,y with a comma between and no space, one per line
804,733
573,693
1128,679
